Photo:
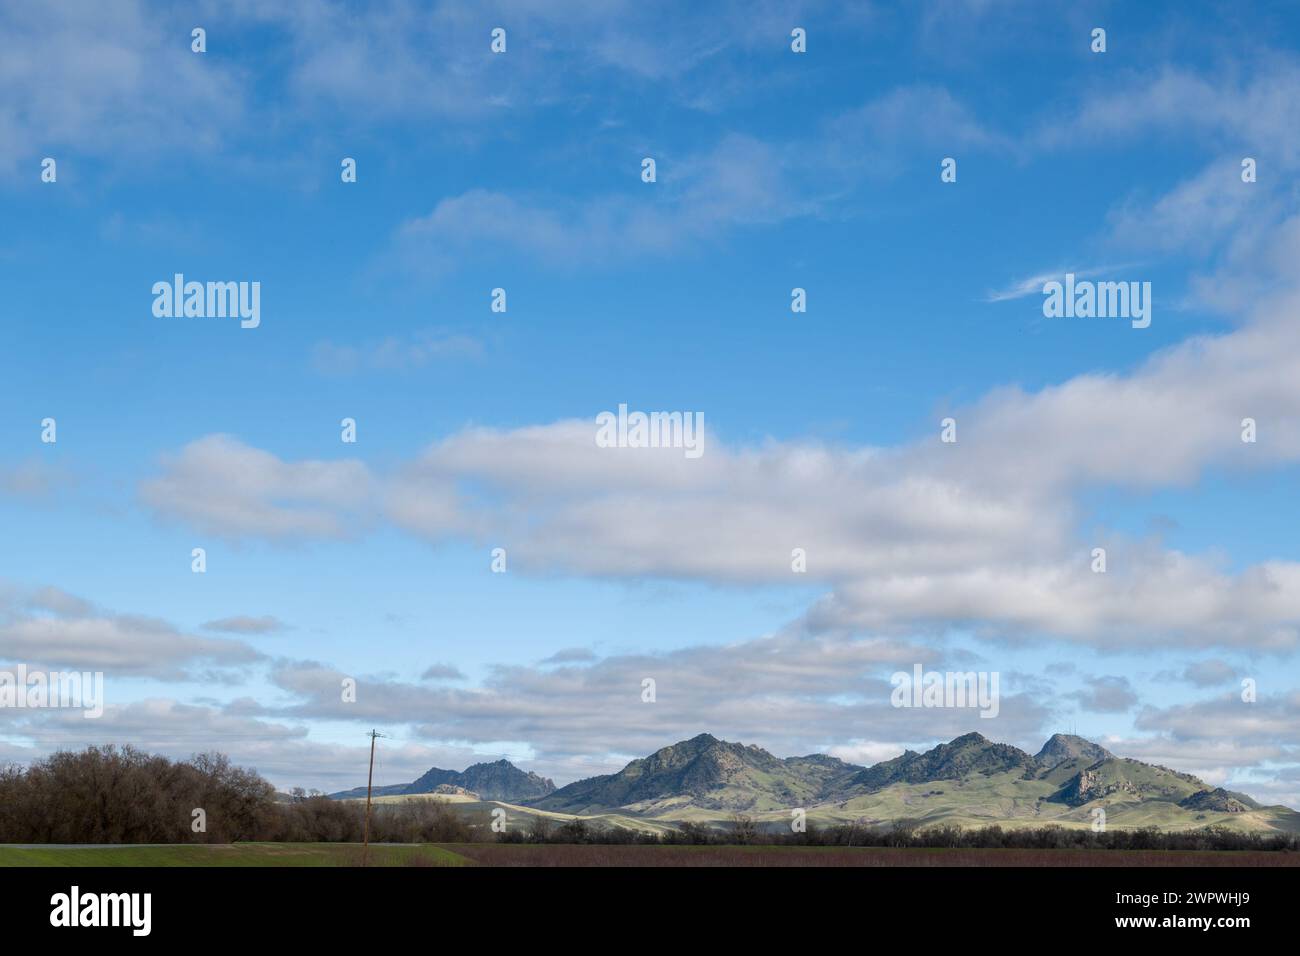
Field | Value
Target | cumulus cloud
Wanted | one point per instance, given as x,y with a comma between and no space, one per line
224,487
788,693
244,624
571,655
281,751
981,534
1107,695
984,535
865,752
48,627
1253,746
442,672
1272,717
1209,673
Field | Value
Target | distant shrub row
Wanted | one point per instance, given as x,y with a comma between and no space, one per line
908,833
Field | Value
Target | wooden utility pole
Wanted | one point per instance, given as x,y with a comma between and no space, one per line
365,839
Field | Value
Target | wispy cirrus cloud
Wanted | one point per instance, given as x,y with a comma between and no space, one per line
394,353
35,480
98,79
741,180
1033,285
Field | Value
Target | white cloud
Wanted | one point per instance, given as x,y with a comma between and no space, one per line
226,488
1107,695
981,534
824,691
281,752
1209,673
96,78
739,181
865,752
246,624
1227,741
34,480
1033,285
912,116
437,672
48,627
1255,107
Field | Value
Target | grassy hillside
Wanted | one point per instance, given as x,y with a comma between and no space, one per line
970,782
705,772
395,798
1009,800
1136,796
1006,799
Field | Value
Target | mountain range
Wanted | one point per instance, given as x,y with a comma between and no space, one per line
969,781
500,780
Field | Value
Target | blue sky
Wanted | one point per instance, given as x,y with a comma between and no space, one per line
775,170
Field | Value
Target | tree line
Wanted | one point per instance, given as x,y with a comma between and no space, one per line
122,795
